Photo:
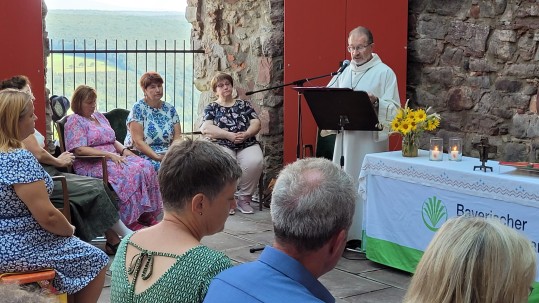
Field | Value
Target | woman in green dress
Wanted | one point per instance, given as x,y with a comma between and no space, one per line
166,262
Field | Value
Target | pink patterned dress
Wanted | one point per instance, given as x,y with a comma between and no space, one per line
135,182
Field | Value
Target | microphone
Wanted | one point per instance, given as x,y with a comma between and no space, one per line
344,65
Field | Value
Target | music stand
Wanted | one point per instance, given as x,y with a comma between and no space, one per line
341,109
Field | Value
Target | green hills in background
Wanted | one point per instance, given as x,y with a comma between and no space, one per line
115,76
101,25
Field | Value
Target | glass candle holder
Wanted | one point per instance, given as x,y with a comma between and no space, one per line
455,149
436,151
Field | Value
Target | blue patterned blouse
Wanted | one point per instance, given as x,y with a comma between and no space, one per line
158,125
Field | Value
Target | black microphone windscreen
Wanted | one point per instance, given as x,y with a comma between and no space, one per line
344,65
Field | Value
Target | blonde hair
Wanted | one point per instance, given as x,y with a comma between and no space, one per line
81,93
13,105
474,260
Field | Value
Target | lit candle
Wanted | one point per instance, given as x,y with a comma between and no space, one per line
435,153
454,153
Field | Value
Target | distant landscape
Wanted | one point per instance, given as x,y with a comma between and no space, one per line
115,76
101,25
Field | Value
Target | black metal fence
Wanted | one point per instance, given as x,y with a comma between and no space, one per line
114,68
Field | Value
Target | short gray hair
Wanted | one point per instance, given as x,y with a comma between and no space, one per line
193,167
361,30
312,200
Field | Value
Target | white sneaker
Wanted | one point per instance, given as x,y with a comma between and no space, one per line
244,204
255,196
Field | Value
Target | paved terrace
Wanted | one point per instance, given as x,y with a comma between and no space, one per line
354,279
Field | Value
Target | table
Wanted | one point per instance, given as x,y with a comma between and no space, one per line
408,199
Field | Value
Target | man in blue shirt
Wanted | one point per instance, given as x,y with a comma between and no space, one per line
311,209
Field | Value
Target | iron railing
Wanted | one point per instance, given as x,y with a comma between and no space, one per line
114,69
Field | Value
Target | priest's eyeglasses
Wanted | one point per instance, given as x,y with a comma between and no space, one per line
358,48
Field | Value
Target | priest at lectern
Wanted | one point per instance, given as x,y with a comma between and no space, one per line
366,73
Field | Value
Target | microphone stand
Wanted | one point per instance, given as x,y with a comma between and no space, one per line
343,120
295,83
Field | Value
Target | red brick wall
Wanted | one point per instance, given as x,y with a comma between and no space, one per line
22,48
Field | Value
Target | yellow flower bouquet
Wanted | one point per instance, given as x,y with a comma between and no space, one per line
412,122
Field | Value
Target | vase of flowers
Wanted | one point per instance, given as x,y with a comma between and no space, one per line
410,123
410,145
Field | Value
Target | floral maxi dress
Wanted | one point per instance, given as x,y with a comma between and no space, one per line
135,182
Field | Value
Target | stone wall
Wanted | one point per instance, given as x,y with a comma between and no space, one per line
245,39
477,64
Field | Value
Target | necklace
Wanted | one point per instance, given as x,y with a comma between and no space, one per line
358,80
91,118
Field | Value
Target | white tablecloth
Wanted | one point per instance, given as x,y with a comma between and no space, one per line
408,199
503,183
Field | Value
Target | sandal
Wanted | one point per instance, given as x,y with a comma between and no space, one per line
111,249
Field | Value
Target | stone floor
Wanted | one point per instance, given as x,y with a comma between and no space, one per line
354,279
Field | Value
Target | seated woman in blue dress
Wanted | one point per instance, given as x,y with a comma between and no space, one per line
153,124
34,235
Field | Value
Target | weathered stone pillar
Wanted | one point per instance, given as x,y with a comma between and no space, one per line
245,39
46,52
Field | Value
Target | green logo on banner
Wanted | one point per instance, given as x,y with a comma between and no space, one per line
434,213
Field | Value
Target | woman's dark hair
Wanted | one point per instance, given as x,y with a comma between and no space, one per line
18,82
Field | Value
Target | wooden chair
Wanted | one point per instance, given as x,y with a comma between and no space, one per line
42,278
261,180
60,124
117,118
323,148
66,210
